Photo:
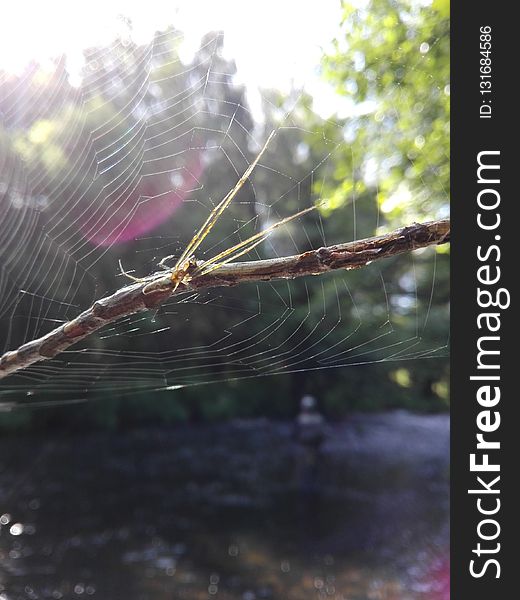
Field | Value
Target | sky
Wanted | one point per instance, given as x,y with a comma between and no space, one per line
276,43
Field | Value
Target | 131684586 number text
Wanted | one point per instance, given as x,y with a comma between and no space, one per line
485,85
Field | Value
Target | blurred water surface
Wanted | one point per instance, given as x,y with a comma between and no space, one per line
230,511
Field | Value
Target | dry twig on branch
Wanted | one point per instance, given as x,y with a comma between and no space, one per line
131,299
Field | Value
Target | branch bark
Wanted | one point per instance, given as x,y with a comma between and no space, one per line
131,299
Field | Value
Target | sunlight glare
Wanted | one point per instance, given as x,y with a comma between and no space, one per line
275,44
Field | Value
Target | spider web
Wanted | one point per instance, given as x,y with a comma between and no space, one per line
126,165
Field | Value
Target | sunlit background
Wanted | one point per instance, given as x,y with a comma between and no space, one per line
275,44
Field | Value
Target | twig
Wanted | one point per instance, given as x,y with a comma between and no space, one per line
131,299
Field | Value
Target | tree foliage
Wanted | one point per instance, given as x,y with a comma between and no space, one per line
392,60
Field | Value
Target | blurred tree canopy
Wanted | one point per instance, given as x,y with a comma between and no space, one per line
389,167
392,61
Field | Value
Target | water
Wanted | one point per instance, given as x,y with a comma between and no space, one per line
230,511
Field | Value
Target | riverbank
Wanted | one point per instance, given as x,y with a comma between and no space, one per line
229,510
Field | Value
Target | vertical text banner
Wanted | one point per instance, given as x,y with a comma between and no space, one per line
484,397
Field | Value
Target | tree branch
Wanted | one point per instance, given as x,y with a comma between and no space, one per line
131,299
